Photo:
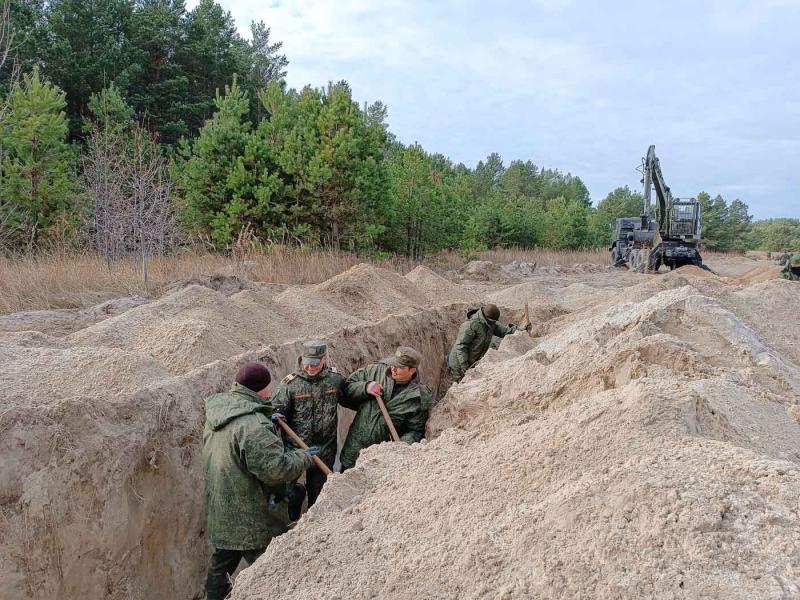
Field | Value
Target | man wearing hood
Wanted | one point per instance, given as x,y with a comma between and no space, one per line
307,400
396,381
474,338
246,470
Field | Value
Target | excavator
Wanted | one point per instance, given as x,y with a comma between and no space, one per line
665,234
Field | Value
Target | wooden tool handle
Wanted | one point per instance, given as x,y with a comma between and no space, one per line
301,444
526,318
388,419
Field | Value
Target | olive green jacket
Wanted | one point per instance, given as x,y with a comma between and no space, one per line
309,405
408,411
473,340
789,272
246,470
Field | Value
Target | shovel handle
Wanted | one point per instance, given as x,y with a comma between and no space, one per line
387,418
526,318
301,444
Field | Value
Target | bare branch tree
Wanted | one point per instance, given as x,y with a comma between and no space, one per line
132,211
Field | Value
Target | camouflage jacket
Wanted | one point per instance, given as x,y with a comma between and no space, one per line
790,274
473,340
309,405
246,470
408,410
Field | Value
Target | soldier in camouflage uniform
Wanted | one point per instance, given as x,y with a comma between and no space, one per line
407,400
307,400
246,469
474,338
792,269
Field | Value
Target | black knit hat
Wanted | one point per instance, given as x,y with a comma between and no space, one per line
254,376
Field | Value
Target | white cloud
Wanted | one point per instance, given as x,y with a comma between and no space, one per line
579,86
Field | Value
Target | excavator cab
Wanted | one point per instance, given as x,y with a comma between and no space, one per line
685,219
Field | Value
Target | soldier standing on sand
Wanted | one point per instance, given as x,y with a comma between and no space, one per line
792,269
246,469
307,401
396,381
474,338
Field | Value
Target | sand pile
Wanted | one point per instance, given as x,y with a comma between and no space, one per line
66,320
100,431
191,327
485,271
649,449
759,274
520,268
371,293
439,290
575,269
770,309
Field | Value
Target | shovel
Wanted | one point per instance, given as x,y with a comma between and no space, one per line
301,444
387,418
526,319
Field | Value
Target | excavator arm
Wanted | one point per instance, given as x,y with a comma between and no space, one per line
654,178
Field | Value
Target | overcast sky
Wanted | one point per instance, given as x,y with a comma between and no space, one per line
584,87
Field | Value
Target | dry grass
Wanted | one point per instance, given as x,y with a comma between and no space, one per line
71,281
549,258
76,280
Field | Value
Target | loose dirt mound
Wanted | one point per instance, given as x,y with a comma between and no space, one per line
371,292
67,320
190,328
648,449
439,290
100,431
520,268
484,270
34,375
759,274
576,268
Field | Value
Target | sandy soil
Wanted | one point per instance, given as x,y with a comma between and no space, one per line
643,443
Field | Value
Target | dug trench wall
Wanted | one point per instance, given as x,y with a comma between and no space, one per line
645,446
101,429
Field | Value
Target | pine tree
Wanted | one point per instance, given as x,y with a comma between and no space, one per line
158,86
37,183
203,169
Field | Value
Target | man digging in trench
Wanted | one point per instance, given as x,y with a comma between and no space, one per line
307,401
791,270
396,383
474,338
246,470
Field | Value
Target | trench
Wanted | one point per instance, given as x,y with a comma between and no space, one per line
126,521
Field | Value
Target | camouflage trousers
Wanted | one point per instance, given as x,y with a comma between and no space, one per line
315,479
223,565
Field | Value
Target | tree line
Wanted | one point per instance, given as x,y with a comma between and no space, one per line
136,126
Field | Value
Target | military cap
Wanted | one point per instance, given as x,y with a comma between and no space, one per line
405,356
794,261
313,352
491,312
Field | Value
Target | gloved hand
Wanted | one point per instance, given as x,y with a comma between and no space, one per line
311,451
277,416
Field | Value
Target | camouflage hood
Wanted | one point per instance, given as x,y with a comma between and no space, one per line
221,409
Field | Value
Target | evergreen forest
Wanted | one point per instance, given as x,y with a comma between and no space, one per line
131,125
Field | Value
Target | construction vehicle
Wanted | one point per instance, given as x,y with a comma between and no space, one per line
667,233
